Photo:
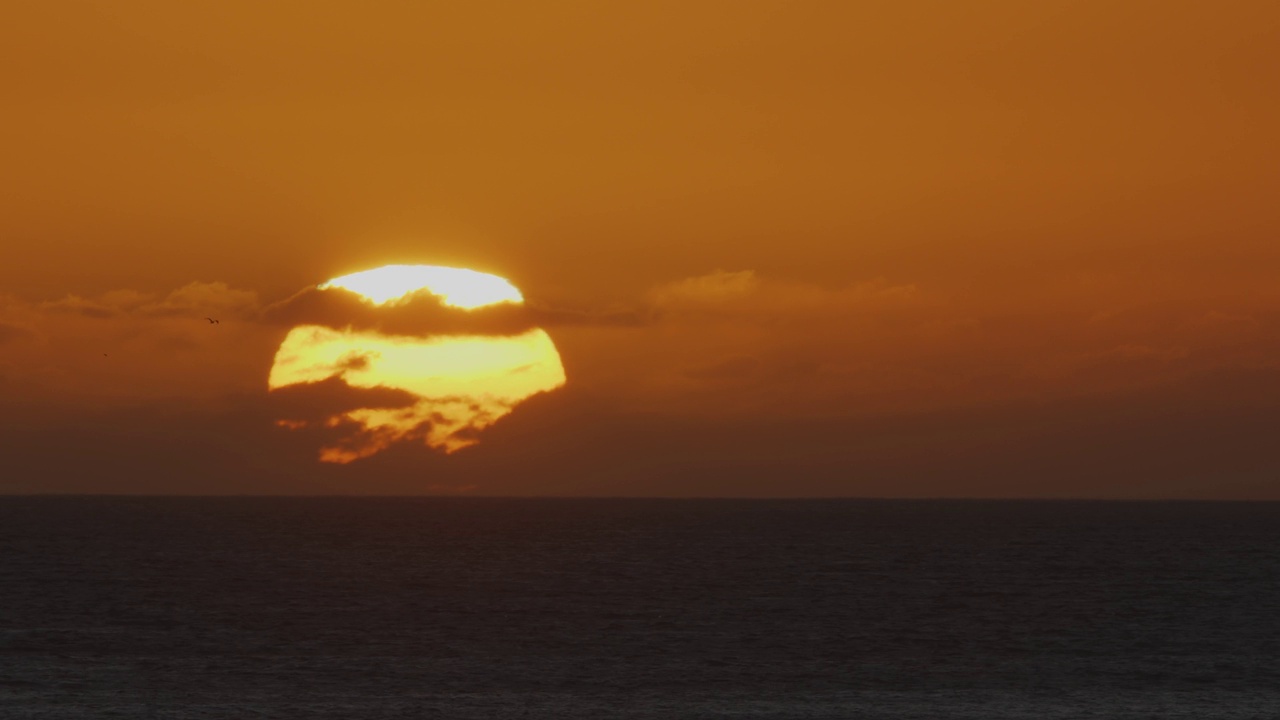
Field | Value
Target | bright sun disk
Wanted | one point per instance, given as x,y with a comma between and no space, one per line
463,383
456,287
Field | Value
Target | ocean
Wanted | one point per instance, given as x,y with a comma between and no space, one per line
351,608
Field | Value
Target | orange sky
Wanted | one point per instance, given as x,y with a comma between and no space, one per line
785,248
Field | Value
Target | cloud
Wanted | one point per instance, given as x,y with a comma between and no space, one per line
713,288
199,299
743,294
423,314
720,294
126,346
730,344
420,314
725,343
196,299
74,304
355,361
548,316
1210,437
331,397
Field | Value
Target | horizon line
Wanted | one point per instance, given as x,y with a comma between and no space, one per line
746,498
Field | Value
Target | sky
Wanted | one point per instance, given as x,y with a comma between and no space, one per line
869,249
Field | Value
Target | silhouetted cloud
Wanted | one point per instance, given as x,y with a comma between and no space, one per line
740,294
548,316
718,345
331,397
354,360
423,313
719,293
420,314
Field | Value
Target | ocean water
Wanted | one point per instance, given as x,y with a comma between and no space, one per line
346,608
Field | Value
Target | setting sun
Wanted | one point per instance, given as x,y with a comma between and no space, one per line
457,384
455,287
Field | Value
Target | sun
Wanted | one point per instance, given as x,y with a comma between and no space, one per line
456,287
370,390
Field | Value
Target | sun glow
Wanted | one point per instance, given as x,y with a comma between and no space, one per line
456,385
456,287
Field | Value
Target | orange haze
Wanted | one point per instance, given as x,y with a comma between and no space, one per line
986,248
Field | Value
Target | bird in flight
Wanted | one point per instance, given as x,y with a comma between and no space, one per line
211,321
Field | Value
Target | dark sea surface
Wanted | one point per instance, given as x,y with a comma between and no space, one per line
344,608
